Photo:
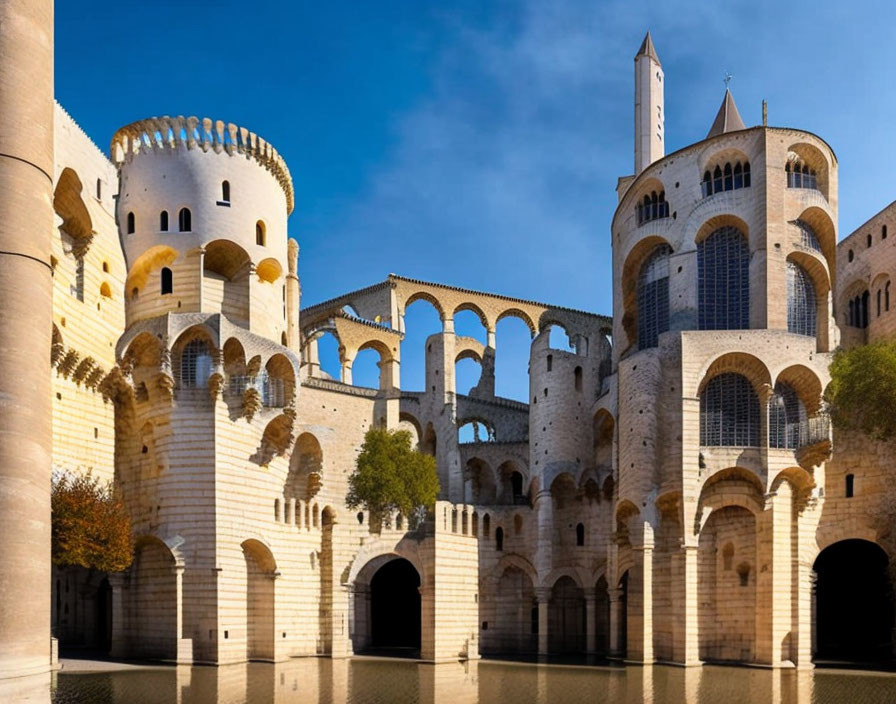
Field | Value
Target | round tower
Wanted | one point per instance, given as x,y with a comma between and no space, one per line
26,288
202,211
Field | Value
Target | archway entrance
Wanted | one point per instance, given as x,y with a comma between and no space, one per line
853,603
566,617
395,608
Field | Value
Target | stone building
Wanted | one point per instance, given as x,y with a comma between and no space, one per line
671,491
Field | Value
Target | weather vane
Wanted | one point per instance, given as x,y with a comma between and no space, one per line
727,79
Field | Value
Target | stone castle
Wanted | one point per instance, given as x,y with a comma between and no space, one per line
672,491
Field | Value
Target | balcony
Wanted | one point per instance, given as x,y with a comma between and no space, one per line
647,212
797,179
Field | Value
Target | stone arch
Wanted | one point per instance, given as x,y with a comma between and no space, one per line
631,270
713,157
521,315
477,421
718,221
144,350
743,363
409,422
276,439
279,381
234,358
305,469
733,486
483,488
566,615
261,570
512,482
191,364
226,274
825,230
473,308
429,298
806,384
814,158
152,599
854,607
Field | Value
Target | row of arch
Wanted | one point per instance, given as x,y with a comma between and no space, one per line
724,281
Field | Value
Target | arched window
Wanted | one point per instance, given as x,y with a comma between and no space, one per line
130,223
802,307
653,297
499,539
717,180
653,207
260,233
195,364
516,487
580,534
727,178
184,220
167,281
887,296
163,221
808,238
799,175
786,417
723,276
225,191
729,412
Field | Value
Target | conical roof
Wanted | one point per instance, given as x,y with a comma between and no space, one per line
727,119
647,49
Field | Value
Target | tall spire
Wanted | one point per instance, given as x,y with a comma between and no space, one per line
727,119
649,118
647,48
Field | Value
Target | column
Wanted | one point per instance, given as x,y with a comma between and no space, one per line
201,251
184,645
590,620
617,618
543,596
685,645
26,323
774,598
640,602
293,294
346,376
544,517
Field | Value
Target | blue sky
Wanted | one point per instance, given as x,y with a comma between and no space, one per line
478,143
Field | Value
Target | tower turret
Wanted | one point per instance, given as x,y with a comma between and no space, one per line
649,118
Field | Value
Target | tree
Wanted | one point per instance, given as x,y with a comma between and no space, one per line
90,526
390,476
862,392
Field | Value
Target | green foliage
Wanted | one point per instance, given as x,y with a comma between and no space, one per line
862,392
90,526
390,476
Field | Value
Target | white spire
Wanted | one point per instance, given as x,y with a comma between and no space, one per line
649,117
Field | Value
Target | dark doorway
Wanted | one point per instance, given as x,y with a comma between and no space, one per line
395,607
854,606
104,617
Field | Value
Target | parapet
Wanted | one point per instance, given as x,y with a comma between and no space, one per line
160,133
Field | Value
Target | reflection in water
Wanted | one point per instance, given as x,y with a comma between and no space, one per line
380,681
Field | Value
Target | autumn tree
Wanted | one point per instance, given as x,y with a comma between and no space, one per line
862,392
391,476
90,526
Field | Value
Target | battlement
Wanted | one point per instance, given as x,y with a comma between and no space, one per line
160,133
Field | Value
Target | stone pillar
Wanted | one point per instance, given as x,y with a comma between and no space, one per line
390,374
26,320
291,512
184,645
118,583
543,596
346,376
640,603
614,595
804,577
590,621
685,634
774,598
201,251
293,296
544,546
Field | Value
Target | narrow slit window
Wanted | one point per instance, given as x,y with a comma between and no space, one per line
163,221
167,281
185,220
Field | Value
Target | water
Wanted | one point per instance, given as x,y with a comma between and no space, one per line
382,681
